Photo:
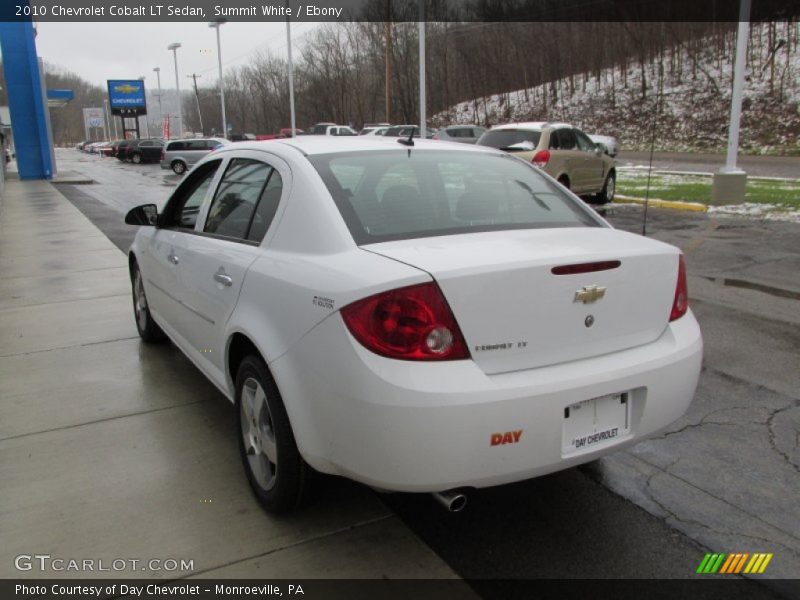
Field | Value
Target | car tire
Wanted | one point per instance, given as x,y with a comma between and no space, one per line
178,167
606,195
137,159
564,180
148,329
277,473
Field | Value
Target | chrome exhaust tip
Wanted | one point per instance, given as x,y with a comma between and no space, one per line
453,501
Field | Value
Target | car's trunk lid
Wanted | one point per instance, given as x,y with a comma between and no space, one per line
515,313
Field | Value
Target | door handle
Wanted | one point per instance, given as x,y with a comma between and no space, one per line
173,259
223,279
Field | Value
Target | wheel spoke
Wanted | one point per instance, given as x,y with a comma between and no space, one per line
268,445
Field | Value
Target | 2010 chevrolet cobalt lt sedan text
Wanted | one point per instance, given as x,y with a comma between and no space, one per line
417,316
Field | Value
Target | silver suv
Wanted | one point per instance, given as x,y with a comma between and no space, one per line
180,155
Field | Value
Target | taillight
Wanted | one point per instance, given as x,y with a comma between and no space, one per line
410,323
681,303
541,158
435,136
163,155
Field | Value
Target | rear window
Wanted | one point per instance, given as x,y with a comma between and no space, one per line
393,195
505,138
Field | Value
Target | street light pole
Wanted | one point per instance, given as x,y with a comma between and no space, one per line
174,47
730,183
292,123
422,115
160,112
216,25
146,119
194,77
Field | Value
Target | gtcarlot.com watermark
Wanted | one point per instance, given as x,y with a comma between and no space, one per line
47,563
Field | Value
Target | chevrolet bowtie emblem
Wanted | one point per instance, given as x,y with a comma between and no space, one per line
589,293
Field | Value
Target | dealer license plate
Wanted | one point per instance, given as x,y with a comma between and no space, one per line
595,423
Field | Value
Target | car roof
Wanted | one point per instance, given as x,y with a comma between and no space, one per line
535,125
313,145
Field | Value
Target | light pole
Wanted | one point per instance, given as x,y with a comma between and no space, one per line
174,47
157,71
291,75
216,25
146,120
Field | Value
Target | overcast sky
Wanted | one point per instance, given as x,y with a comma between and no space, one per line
101,51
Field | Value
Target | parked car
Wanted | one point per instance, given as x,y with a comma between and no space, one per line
122,149
609,143
287,132
422,318
321,128
466,134
405,131
564,152
341,130
103,149
180,155
143,151
373,130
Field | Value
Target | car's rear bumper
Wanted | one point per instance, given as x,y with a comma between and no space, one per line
421,427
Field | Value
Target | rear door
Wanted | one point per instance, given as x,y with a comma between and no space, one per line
594,163
227,242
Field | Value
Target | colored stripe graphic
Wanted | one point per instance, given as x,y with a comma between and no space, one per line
734,563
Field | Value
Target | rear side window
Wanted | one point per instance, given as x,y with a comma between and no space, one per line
173,146
236,198
196,145
506,138
391,195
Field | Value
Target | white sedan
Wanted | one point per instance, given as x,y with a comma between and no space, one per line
418,316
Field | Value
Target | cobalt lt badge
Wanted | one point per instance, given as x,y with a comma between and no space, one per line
589,294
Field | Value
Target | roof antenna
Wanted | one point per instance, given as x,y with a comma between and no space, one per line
409,141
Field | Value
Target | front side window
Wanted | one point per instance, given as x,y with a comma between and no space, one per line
584,143
184,205
390,195
236,198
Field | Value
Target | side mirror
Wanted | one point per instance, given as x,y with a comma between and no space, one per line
146,214
599,148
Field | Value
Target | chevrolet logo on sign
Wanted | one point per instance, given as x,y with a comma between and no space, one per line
589,293
126,88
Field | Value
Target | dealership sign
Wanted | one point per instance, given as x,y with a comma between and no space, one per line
93,117
126,97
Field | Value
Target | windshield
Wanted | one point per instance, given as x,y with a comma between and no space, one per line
512,139
399,194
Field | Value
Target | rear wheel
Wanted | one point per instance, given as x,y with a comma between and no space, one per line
148,329
276,471
179,167
608,191
564,180
137,158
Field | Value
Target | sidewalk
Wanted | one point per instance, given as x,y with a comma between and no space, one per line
110,449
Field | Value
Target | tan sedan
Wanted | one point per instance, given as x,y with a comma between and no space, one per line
563,152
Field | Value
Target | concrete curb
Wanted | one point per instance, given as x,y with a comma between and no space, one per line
673,204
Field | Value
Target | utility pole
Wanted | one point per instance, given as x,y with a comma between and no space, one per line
387,32
292,122
160,112
194,77
422,100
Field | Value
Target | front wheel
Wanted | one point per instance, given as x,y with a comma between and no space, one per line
148,329
276,471
137,159
179,167
608,191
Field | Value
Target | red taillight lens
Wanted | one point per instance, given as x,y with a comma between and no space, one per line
681,303
541,158
410,323
163,154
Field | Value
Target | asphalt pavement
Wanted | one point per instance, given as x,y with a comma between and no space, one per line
724,479
761,166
